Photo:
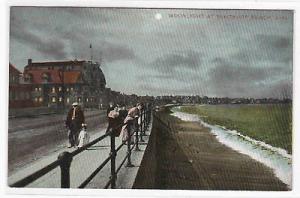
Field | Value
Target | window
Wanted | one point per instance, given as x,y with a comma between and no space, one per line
40,89
68,100
53,89
40,99
72,89
68,89
21,94
46,77
28,77
36,89
53,99
36,99
27,95
87,100
60,99
79,99
59,88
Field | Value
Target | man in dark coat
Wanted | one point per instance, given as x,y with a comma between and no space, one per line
123,112
75,119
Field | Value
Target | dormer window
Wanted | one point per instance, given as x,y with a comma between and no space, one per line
46,77
28,77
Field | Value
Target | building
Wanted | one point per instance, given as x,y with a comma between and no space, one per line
60,83
19,93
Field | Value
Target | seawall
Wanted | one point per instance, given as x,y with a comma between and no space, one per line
187,156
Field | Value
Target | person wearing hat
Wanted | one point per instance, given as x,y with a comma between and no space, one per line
74,121
133,113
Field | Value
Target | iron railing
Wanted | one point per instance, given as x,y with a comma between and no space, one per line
64,160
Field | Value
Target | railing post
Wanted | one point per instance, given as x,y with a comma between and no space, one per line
66,159
144,132
149,114
129,164
141,125
136,129
112,160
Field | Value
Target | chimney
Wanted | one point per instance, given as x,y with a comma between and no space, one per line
29,61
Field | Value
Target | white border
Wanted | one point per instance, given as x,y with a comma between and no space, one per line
293,5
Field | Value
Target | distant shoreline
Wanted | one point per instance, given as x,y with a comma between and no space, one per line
270,123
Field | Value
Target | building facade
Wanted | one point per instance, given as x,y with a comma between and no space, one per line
60,83
19,93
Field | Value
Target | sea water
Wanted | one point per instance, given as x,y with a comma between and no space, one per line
276,158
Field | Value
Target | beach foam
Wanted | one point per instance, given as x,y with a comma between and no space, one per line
276,158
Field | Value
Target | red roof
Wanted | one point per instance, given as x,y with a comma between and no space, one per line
13,69
57,63
70,77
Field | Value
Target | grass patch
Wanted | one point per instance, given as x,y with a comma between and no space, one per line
271,123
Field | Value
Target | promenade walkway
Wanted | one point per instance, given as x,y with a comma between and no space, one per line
85,163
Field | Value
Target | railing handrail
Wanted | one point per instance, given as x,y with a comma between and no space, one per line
59,162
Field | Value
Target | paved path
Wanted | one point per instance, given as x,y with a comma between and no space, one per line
32,138
84,164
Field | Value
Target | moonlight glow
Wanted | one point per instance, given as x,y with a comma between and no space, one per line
158,16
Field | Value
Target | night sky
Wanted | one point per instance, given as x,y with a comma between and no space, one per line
223,53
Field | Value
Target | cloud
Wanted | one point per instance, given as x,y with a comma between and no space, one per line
282,89
229,80
179,55
274,41
115,52
272,49
169,62
50,47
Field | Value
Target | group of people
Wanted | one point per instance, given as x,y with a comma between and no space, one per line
118,118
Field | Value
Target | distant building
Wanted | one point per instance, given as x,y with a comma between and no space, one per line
60,83
19,94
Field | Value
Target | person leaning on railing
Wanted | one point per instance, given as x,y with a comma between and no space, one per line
115,121
109,109
123,112
133,113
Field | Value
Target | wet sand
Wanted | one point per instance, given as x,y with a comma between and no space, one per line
190,157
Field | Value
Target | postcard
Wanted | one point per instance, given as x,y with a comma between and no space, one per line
153,98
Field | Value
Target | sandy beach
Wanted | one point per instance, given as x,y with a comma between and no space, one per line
191,157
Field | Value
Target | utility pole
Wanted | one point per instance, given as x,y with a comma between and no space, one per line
91,50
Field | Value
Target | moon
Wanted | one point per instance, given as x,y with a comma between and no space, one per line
158,16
